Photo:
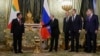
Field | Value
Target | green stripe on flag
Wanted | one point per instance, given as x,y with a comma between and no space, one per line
14,8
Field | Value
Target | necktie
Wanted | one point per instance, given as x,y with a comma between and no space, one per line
66,19
73,18
19,21
89,18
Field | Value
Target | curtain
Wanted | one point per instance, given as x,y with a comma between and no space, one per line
85,4
97,9
35,6
76,5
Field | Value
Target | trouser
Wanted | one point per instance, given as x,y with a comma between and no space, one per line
90,41
74,38
17,42
66,40
54,42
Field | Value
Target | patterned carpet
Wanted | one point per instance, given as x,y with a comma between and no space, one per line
45,53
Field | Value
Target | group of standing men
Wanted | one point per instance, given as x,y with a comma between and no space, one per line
72,27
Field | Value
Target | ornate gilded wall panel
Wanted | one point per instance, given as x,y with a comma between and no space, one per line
4,9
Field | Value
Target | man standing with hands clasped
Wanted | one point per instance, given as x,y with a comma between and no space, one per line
66,26
91,25
75,29
17,29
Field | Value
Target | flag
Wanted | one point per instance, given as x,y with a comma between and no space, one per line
94,5
14,11
45,33
85,4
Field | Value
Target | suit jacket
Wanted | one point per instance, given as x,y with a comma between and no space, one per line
75,25
92,24
54,25
66,25
17,27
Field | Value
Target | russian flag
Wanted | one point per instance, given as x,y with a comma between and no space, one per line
45,33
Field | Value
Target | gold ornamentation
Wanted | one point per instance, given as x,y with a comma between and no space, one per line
66,5
66,8
29,18
37,44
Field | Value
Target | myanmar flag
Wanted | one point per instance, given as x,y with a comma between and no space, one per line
14,11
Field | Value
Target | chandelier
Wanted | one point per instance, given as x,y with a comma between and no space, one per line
66,5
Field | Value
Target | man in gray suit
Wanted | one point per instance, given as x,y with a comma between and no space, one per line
66,26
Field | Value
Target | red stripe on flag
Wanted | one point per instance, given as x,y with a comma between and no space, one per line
9,26
44,33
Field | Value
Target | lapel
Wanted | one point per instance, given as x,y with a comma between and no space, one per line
18,22
74,18
91,18
53,21
66,19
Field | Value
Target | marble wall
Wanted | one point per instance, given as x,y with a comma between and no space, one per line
4,9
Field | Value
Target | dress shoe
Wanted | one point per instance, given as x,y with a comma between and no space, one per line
77,51
71,51
65,49
20,52
56,50
15,52
94,51
88,51
50,50
45,48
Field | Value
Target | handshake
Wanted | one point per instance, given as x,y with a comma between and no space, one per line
48,27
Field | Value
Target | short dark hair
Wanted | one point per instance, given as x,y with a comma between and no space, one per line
74,10
90,9
18,14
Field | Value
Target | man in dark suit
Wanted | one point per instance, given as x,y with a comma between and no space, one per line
66,26
75,29
91,25
54,26
17,29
